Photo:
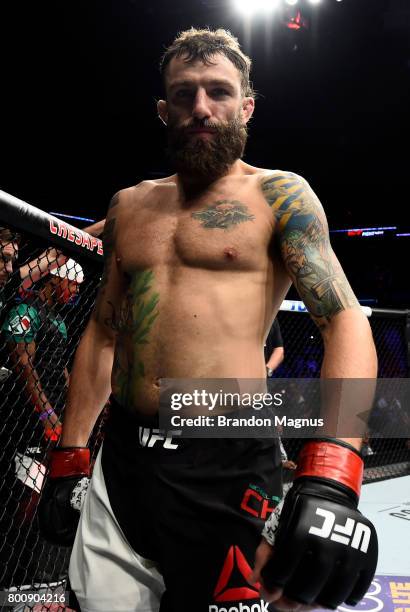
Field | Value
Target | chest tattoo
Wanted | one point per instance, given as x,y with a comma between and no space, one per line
223,214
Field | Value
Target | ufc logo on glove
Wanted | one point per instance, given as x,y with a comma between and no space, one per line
318,515
361,535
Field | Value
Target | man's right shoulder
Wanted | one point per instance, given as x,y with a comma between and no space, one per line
137,194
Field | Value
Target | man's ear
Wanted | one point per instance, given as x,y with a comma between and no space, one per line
248,106
162,111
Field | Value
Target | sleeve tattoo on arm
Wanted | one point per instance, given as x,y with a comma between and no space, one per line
303,237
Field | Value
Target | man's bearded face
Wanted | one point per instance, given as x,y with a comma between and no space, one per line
208,157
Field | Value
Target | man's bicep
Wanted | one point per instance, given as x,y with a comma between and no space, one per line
303,237
109,297
111,289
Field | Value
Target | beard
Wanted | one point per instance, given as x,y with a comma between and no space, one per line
206,159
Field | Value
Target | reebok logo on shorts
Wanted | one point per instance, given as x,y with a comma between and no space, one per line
226,592
240,607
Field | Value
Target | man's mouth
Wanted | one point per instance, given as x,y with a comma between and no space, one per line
201,131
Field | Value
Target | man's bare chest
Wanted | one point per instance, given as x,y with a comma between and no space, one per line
219,231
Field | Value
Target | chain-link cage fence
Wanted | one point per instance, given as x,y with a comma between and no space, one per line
47,292
384,457
45,303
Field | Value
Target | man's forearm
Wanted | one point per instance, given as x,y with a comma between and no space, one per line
349,347
37,268
90,385
276,358
96,229
33,388
349,354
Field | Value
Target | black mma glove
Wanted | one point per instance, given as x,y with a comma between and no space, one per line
63,494
325,550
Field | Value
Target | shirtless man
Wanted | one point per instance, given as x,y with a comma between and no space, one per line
196,267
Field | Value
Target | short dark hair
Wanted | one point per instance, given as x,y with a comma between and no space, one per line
8,235
203,44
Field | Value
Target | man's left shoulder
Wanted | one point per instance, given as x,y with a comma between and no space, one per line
287,192
281,179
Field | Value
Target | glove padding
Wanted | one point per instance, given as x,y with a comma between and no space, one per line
325,551
63,495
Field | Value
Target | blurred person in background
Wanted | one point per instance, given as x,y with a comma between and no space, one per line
37,340
274,351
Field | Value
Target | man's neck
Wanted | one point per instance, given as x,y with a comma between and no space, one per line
193,186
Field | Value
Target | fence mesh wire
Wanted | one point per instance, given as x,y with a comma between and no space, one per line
384,457
41,322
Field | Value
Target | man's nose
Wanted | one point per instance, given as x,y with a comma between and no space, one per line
201,109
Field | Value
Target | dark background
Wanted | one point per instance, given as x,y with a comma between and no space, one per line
79,81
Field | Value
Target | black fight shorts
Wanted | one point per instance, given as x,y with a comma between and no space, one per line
172,524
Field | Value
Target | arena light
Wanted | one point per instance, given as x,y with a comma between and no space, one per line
358,230
291,2
251,7
58,214
296,22
314,1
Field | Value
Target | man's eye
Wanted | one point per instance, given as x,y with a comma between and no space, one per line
183,93
219,92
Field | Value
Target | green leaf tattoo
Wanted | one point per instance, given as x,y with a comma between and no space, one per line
133,321
144,312
224,214
303,237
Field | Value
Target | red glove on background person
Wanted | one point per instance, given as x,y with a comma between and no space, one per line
318,548
63,494
52,433
51,423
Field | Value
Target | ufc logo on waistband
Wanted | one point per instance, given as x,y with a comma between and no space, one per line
354,534
149,437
